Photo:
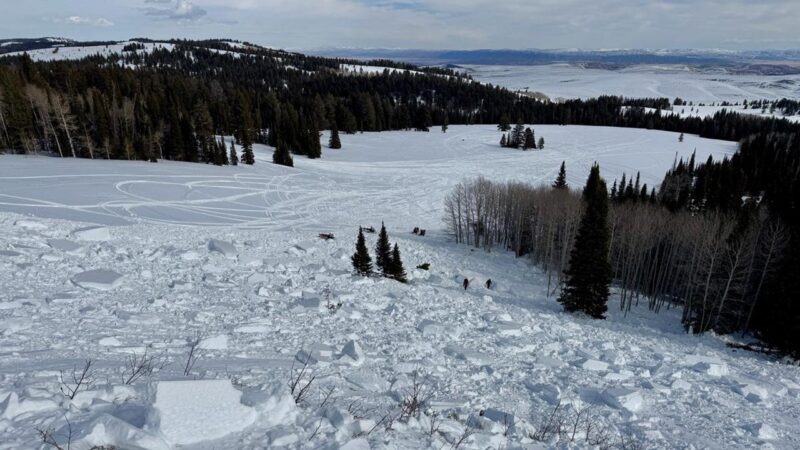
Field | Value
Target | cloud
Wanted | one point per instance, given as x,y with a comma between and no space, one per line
81,20
180,10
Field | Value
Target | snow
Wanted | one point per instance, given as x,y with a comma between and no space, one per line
573,81
225,248
511,354
187,412
101,279
80,52
93,234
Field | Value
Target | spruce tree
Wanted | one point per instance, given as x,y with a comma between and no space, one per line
541,143
561,179
529,141
282,156
247,154
234,158
396,269
313,149
383,252
503,142
362,262
334,142
588,278
505,124
445,124
517,135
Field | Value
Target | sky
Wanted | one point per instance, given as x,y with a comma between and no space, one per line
420,24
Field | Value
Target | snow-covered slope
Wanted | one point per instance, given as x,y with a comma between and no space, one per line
80,52
254,291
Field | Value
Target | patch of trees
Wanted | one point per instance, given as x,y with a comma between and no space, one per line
723,268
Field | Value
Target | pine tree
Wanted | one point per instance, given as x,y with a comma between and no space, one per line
313,147
529,141
505,123
396,269
680,138
383,252
503,141
445,124
282,156
234,158
541,143
589,275
561,179
517,135
362,262
334,142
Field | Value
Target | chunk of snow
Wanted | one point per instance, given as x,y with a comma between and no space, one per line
274,404
430,328
752,392
100,279
92,234
353,352
107,431
14,324
547,392
219,342
227,249
65,245
109,342
762,431
188,412
316,353
30,225
506,420
10,253
356,444
624,398
593,364
12,407
716,369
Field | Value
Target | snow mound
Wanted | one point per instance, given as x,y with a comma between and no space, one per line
188,412
227,249
92,234
100,279
352,353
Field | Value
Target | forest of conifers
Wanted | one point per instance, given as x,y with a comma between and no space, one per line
730,254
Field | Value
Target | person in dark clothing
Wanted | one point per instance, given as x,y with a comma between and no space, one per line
489,283
466,284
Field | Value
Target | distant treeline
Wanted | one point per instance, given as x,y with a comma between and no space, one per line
164,104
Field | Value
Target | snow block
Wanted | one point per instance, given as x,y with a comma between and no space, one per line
715,369
219,342
227,249
430,328
547,392
100,279
762,431
106,431
274,404
92,234
188,412
316,353
65,245
624,398
504,419
352,353
356,444
12,407
10,253
752,392
593,364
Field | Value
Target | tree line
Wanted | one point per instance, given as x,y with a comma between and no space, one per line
719,266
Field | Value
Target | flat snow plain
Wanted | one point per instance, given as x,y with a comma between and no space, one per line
245,272
670,81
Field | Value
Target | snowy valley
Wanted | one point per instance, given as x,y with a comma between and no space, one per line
214,284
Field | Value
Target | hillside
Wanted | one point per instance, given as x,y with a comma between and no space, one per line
229,258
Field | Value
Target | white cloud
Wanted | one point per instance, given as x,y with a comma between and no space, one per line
81,20
180,10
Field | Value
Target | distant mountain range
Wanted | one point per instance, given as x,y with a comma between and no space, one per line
772,62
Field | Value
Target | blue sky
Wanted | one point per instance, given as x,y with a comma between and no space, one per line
452,24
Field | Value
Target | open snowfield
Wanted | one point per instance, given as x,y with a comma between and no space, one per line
246,274
571,81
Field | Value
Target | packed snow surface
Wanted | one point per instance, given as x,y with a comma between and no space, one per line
574,81
245,280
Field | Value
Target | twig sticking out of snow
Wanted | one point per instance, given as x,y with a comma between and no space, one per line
81,379
299,388
142,366
193,353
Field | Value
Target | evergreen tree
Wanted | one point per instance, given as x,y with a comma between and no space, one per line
362,262
503,142
561,179
505,124
334,142
247,154
680,138
517,137
234,158
588,277
396,269
383,252
313,147
541,143
445,124
282,156
529,141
